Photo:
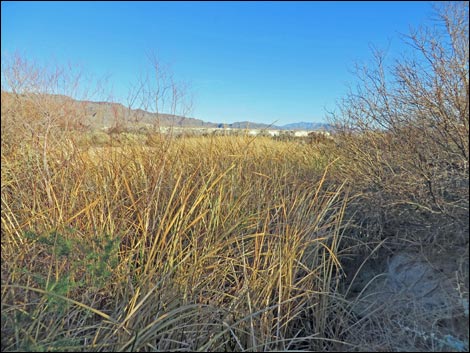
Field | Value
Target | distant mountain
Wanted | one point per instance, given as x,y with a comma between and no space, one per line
306,126
108,114
292,126
250,125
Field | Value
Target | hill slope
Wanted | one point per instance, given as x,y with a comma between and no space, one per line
108,114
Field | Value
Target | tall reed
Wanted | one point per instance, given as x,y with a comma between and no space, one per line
203,243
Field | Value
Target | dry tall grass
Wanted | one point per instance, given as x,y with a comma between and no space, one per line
129,242
217,243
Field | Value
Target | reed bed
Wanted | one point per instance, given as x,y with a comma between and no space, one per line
190,244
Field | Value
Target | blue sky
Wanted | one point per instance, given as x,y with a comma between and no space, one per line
264,62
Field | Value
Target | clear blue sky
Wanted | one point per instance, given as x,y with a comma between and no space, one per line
259,61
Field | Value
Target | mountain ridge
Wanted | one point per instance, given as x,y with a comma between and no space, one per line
102,114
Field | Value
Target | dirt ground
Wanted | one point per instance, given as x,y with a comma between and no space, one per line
412,301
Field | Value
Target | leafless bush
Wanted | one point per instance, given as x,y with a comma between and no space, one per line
157,91
37,99
404,132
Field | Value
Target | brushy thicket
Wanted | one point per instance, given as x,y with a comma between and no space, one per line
403,147
147,242
403,134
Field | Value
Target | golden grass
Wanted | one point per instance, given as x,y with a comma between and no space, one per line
203,243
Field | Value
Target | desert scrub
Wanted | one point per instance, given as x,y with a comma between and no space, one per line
195,243
403,135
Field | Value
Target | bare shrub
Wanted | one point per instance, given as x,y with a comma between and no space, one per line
157,91
403,133
39,96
